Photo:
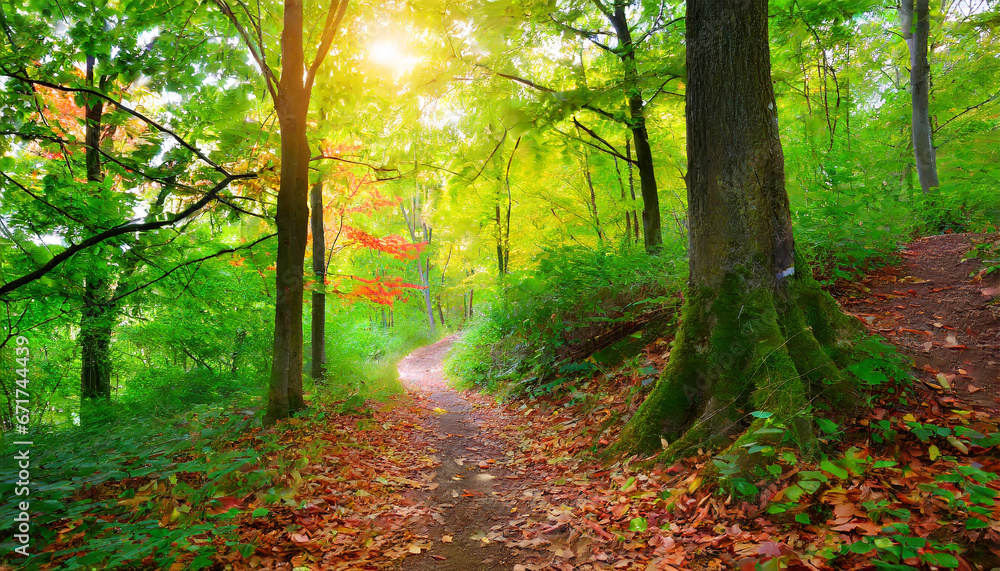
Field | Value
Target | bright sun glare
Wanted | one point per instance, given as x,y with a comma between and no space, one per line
388,54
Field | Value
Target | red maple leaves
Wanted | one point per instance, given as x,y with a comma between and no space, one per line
393,244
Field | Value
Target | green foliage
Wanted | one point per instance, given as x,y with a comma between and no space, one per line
176,467
987,252
484,356
542,319
362,355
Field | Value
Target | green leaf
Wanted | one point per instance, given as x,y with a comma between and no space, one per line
803,519
975,523
638,524
260,512
828,426
861,547
941,559
833,469
794,492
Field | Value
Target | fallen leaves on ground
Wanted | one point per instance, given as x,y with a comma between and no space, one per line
919,493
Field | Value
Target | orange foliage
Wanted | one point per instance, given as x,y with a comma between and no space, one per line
393,244
381,290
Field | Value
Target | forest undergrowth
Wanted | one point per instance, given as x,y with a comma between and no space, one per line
911,483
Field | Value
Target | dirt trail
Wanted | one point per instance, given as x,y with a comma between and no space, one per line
932,309
466,485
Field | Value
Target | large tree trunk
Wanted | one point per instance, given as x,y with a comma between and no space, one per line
920,82
754,334
319,295
652,235
292,220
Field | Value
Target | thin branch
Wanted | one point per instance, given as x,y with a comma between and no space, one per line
256,50
489,158
122,107
353,162
127,228
611,149
196,359
188,263
333,19
598,147
967,109
225,200
45,202
661,90
517,79
10,236
533,85
585,34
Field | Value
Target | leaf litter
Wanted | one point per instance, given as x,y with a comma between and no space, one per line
912,483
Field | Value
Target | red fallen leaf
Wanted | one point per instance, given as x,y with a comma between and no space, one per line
229,502
955,346
769,549
598,529
439,557
299,538
917,331
937,289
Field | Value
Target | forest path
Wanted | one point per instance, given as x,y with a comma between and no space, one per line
466,487
947,321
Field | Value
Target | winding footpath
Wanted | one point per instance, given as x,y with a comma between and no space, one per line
465,491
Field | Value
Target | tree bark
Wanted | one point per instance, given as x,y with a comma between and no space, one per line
95,341
920,80
754,334
98,312
651,232
292,219
319,295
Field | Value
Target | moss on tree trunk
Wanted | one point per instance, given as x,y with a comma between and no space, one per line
755,334
741,349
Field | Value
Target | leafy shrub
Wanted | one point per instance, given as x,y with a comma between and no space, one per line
575,301
484,356
362,353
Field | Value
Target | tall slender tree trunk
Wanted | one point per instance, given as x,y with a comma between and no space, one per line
920,81
98,312
292,220
423,269
631,189
319,294
95,340
652,234
756,334
592,205
472,292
